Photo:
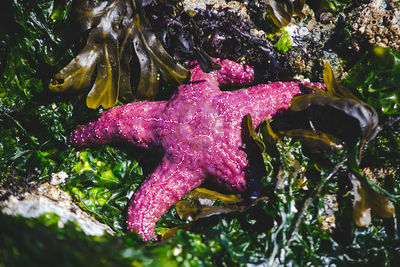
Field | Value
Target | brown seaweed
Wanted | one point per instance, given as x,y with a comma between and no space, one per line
117,32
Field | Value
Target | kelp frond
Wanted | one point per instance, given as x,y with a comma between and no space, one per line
117,31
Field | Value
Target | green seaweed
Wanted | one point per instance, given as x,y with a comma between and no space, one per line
40,242
284,43
102,181
334,6
376,78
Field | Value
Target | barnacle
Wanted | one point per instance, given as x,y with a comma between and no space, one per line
117,31
376,23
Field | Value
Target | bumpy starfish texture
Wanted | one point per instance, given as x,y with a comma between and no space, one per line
198,129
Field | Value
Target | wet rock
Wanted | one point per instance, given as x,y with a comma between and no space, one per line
326,17
237,31
47,198
312,45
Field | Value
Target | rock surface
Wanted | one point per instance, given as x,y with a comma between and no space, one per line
47,198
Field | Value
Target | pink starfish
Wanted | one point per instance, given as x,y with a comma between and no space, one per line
199,131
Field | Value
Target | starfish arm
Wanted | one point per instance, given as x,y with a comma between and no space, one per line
226,163
131,123
265,100
231,73
162,189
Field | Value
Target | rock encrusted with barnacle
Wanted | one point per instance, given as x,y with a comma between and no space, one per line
376,23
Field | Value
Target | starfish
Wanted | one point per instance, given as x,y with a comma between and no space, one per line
198,130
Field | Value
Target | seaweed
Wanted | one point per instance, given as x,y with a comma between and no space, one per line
281,12
359,126
334,6
23,242
117,30
272,15
217,33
